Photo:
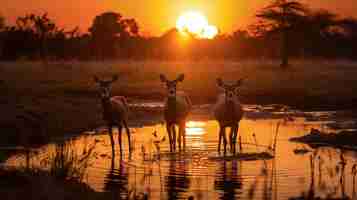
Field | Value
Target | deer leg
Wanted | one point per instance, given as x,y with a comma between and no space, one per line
183,134
231,135
234,138
112,165
224,140
219,139
111,139
174,137
168,129
120,130
128,134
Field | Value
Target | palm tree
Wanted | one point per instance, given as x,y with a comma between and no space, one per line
281,16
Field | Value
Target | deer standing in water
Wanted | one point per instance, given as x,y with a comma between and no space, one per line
228,112
177,107
115,111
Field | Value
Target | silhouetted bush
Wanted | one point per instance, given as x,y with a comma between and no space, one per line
311,34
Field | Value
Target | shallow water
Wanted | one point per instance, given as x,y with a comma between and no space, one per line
162,175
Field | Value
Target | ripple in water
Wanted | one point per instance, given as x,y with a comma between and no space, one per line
163,175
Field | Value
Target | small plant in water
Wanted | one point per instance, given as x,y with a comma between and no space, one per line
156,142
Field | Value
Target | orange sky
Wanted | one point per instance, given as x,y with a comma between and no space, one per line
155,16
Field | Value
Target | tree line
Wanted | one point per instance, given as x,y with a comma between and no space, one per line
284,29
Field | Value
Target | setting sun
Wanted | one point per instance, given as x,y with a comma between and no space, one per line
197,24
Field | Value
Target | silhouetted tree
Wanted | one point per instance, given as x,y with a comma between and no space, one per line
107,29
281,16
318,30
284,29
41,26
2,22
2,25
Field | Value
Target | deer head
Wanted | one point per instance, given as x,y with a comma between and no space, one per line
230,90
171,85
105,86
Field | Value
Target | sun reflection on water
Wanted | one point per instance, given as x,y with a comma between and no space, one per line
195,128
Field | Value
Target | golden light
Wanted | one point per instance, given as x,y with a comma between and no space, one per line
194,128
195,23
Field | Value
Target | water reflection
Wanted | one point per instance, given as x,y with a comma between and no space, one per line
330,177
177,181
228,180
116,180
313,174
195,131
195,128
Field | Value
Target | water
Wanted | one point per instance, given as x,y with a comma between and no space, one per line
162,175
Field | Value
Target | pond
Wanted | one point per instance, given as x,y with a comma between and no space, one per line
151,169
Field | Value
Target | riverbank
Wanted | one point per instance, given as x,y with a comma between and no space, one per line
42,102
17,184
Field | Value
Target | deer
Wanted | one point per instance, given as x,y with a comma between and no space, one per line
115,111
177,107
228,112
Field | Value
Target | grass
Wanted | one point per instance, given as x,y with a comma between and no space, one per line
66,162
63,95
60,176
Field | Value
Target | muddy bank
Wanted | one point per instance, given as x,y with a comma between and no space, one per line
34,185
342,139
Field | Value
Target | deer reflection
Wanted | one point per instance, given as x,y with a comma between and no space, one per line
177,181
228,179
116,181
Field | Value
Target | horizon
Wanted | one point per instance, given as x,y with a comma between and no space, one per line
228,20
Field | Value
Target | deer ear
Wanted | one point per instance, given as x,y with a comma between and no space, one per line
115,78
220,82
181,77
239,82
163,78
96,79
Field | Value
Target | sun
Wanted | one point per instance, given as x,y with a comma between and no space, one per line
195,23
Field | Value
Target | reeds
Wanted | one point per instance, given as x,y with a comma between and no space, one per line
66,162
